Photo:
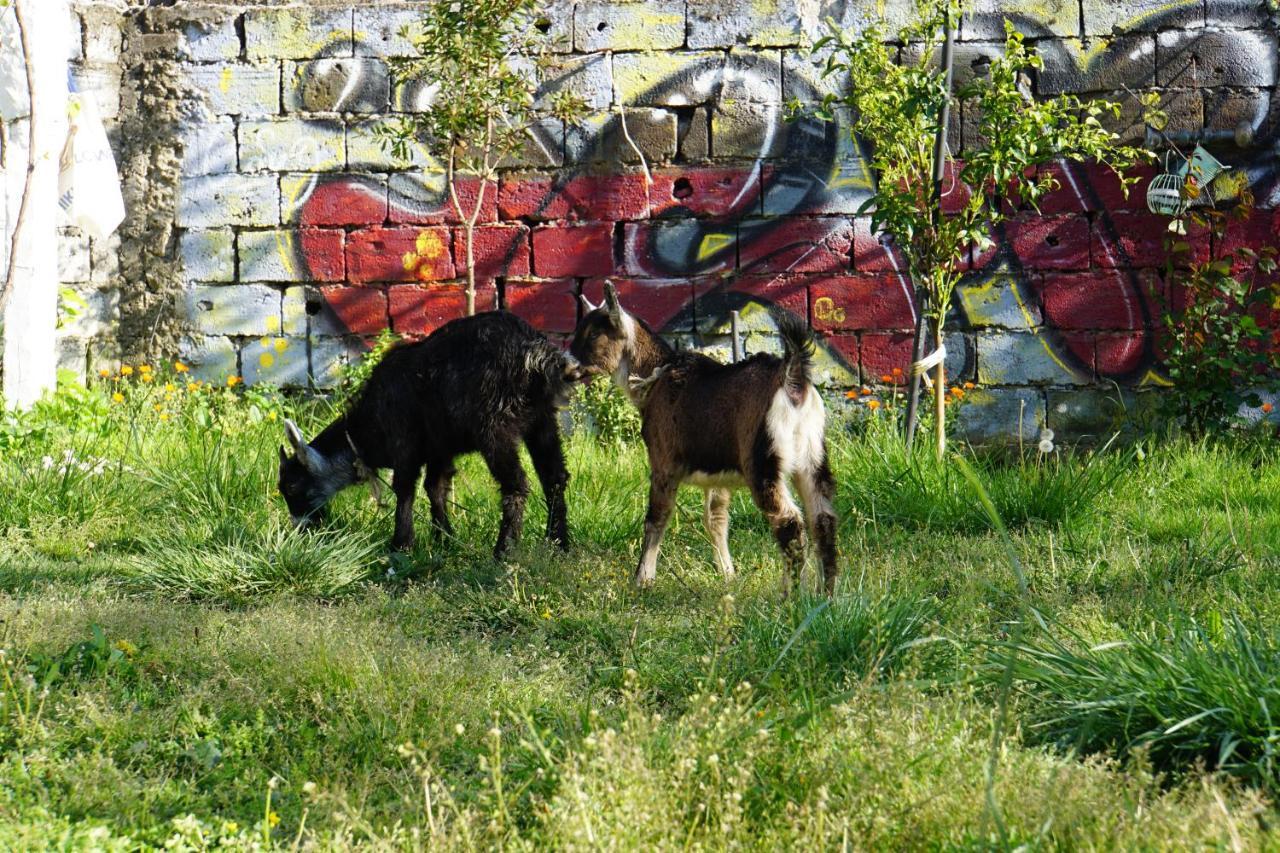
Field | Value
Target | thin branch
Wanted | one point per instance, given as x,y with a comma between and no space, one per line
644,164
7,287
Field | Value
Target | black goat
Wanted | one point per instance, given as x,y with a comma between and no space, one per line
482,383
758,423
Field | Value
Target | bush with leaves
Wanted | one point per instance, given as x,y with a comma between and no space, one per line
897,110
1216,352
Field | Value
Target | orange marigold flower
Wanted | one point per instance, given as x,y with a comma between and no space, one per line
233,381
969,386
104,373
1266,408
865,391
886,379
897,371
850,394
126,370
193,386
873,404
180,367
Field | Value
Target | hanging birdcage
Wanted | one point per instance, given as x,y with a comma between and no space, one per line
1166,194
1200,171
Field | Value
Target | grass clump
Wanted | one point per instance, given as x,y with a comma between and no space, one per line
1186,693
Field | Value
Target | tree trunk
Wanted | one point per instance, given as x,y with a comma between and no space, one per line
470,232
939,390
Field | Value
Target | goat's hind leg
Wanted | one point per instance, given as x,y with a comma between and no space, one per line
817,491
543,441
503,460
716,518
770,492
404,481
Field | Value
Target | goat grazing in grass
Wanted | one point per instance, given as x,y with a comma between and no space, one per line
483,383
759,422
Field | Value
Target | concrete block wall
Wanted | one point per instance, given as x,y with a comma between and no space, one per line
294,237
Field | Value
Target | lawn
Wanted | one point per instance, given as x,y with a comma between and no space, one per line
181,668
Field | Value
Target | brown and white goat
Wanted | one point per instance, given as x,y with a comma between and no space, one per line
759,423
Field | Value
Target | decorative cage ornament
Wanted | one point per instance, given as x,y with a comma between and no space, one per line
1200,172
1166,193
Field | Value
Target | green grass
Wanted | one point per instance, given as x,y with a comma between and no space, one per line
171,647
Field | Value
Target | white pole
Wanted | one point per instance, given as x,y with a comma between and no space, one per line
29,357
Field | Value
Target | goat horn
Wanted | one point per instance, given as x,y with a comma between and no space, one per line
586,303
611,300
294,435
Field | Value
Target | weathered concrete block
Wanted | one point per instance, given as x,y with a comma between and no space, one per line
693,134
209,148
612,25
211,359
1001,415
803,79
102,36
346,85
72,355
588,77
210,39
366,153
297,32
233,309
312,145
336,310
769,23
211,200
333,199
1114,63
102,82
73,256
1102,17
753,75
599,138
739,130
985,19
278,255
543,147
104,259
831,188
995,301
96,317
75,48
276,360
1022,358
331,358
1091,414
667,79
238,88
208,255
378,30
1217,58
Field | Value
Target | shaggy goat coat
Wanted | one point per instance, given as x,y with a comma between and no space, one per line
758,423
480,384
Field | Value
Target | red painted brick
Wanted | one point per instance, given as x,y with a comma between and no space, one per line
1092,187
846,348
789,292
883,352
1120,353
654,300
550,305
955,195
323,250
796,246
573,250
1046,242
404,212
714,192
871,252
1139,240
399,254
586,197
844,303
500,250
348,201
1102,299
421,310
361,310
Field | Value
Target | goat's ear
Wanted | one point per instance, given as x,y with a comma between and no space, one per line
294,435
612,303
284,456
587,307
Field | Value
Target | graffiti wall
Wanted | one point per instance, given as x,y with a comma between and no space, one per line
299,237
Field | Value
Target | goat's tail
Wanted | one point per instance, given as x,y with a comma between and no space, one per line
797,359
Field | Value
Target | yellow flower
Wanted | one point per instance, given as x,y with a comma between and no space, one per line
180,367
104,373
117,397
271,416
969,386
273,818
230,827
144,368
546,614
873,404
127,647
158,407
193,386
233,381
126,370
164,417
170,387
147,377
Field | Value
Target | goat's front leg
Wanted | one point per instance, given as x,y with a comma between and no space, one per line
543,441
503,460
404,483
716,519
662,496
438,482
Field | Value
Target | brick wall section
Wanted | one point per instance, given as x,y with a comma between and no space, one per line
300,237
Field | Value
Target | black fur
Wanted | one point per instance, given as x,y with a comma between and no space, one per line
480,384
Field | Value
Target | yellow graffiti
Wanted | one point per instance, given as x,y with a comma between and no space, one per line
825,309
428,247
266,359
713,243
273,324
224,80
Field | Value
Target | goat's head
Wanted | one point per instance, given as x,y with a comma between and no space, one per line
606,333
307,480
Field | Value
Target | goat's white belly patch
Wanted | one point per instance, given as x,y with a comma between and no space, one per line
718,480
797,431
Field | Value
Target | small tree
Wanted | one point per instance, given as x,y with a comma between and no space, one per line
896,109
476,57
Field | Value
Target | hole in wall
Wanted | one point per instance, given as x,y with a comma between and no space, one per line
682,188
1052,240
600,27
543,25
